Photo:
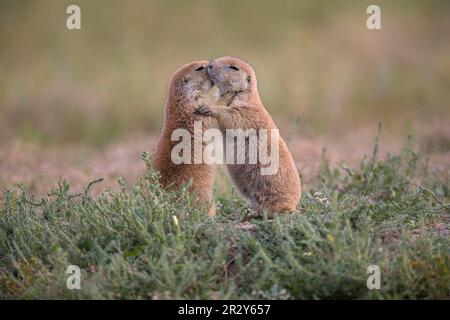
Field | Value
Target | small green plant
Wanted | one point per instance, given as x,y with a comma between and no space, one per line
146,243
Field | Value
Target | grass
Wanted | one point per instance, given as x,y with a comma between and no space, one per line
313,59
129,245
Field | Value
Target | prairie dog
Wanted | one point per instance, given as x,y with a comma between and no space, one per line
239,107
188,88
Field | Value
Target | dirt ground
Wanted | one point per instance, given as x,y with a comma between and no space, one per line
40,168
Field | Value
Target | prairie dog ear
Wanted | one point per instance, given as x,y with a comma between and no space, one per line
184,79
249,78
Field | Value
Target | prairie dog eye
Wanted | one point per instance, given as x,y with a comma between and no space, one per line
234,68
200,68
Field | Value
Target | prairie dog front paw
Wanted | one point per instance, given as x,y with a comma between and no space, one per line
204,110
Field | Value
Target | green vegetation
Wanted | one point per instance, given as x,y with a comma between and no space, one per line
68,97
129,245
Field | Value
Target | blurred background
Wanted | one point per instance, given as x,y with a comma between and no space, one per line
77,103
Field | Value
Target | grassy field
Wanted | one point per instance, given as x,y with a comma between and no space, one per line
150,243
317,64
76,105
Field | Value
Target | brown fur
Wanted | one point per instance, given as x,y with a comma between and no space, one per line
239,107
187,90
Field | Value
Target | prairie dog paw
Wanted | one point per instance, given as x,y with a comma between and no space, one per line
204,111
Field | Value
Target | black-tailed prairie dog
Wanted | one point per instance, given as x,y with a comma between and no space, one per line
188,88
239,107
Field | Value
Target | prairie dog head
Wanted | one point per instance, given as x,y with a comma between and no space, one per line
232,75
190,83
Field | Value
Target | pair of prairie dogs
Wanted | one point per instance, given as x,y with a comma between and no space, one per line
238,107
